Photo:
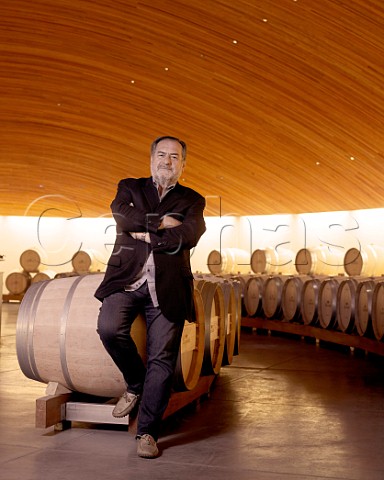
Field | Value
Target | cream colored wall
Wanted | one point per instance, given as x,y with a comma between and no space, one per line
339,231
58,238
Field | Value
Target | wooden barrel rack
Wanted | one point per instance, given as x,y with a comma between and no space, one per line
340,338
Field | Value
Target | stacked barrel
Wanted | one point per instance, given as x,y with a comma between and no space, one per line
33,269
57,341
338,293
19,281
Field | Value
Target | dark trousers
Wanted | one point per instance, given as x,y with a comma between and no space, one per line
153,382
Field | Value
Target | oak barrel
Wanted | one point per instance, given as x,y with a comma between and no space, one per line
56,339
327,302
237,288
230,313
368,261
191,354
17,282
253,295
363,307
319,261
85,261
272,260
346,301
291,297
43,276
309,301
228,260
241,282
378,310
30,260
214,313
272,296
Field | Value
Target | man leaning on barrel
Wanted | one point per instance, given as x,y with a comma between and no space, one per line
158,221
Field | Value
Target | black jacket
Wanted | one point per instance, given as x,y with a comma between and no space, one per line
137,208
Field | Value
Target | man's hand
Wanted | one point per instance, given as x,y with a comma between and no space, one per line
142,236
169,222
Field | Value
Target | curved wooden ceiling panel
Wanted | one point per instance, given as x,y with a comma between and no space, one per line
280,103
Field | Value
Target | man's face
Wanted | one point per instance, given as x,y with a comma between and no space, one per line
167,162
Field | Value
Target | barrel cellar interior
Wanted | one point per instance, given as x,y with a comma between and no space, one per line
280,376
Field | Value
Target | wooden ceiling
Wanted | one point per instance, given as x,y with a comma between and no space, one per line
281,102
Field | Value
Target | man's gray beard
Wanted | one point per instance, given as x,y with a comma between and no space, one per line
163,180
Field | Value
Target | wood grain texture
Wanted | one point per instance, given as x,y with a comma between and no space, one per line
271,121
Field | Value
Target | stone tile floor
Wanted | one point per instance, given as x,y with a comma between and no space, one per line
284,409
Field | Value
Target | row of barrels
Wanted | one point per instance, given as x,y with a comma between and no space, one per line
57,340
352,305
33,270
321,260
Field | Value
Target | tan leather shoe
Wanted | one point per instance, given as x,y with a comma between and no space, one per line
146,446
125,404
